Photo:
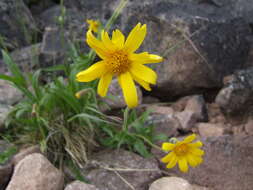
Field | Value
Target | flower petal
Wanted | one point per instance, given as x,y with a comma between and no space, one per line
197,144
135,38
197,152
198,159
107,41
93,72
191,160
183,166
145,58
173,162
167,146
189,138
143,72
141,82
118,38
104,83
129,89
168,157
96,44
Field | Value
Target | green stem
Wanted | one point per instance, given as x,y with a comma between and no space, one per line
126,113
148,141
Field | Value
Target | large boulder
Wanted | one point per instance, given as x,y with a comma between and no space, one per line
17,24
36,172
120,169
200,44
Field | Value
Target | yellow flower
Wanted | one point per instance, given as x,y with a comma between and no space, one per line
183,152
93,25
119,59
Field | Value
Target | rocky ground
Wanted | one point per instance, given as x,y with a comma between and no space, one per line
205,86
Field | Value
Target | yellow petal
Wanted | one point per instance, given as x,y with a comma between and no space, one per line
118,38
144,84
191,160
143,72
97,45
168,146
173,161
198,159
197,144
189,138
107,41
167,158
104,83
183,166
197,151
129,89
135,38
93,72
145,58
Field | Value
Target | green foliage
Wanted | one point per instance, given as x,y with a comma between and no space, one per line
50,114
134,135
4,156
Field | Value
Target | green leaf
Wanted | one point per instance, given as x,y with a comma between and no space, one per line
141,148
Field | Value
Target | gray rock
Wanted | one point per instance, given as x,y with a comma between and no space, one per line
120,169
197,105
9,94
17,24
200,45
78,185
36,172
187,120
170,183
209,129
236,96
227,164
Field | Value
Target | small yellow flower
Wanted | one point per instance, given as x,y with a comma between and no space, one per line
183,152
93,25
119,59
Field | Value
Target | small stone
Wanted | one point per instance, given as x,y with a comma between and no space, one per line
170,183
9,94
187,119
161,110
78,185
209,129
197,105
36,172
249,127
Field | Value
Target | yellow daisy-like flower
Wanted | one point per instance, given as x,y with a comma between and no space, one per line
183,152
93,25
119,59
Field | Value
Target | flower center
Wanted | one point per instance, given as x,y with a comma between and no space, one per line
118,62
181,150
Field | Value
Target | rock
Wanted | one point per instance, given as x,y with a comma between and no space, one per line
78,185
4,110
17,24
161,109
9,94
23,153
215,114
115,98
35,172
170,183
227,164
197,105
209,129
187,120
163,123
126,167
198,42
249,127
236,96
